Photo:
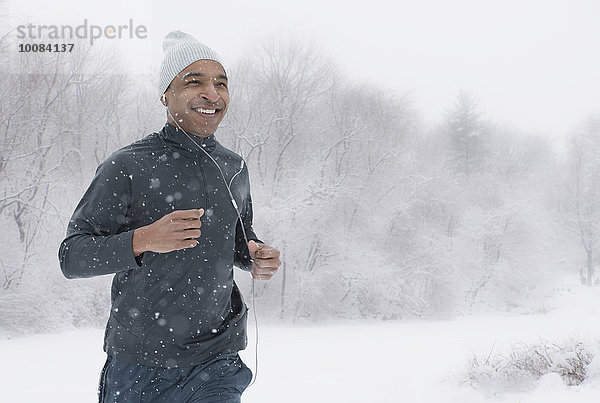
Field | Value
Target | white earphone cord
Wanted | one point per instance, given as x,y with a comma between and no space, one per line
235,206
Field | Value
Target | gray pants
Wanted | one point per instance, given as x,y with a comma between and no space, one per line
222,379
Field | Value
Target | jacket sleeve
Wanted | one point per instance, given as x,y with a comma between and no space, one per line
96,243
242,255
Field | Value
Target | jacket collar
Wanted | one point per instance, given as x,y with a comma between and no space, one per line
175,138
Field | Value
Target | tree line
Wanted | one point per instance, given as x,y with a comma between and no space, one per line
377,214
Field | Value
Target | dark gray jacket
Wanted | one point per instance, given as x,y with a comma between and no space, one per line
172,309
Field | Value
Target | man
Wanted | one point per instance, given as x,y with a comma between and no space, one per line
169,215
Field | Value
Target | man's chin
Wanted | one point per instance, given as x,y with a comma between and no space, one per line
198,132
202,133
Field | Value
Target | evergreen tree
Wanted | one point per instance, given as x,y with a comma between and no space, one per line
467,134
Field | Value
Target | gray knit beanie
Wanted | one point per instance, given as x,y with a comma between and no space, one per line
180,51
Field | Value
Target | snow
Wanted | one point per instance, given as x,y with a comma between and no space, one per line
52,367
400,361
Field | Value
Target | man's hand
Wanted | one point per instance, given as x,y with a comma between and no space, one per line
266,260
174,231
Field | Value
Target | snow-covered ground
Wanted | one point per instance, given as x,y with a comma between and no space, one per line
406,361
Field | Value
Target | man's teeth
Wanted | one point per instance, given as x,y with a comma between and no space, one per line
208,111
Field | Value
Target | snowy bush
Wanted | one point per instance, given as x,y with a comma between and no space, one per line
524,364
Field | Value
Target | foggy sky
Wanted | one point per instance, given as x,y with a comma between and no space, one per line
531,64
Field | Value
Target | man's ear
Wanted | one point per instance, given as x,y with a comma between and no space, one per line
163,100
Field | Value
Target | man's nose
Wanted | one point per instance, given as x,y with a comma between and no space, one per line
210,93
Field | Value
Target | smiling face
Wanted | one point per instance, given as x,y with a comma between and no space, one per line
198,98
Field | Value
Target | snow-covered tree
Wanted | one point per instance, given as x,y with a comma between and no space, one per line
467,133
584,188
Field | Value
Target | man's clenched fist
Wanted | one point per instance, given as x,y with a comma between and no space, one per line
174,231
266,260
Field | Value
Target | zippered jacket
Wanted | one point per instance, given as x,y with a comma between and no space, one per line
173,309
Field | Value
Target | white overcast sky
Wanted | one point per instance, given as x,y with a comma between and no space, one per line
533,64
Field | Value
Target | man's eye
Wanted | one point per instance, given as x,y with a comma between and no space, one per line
224,85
